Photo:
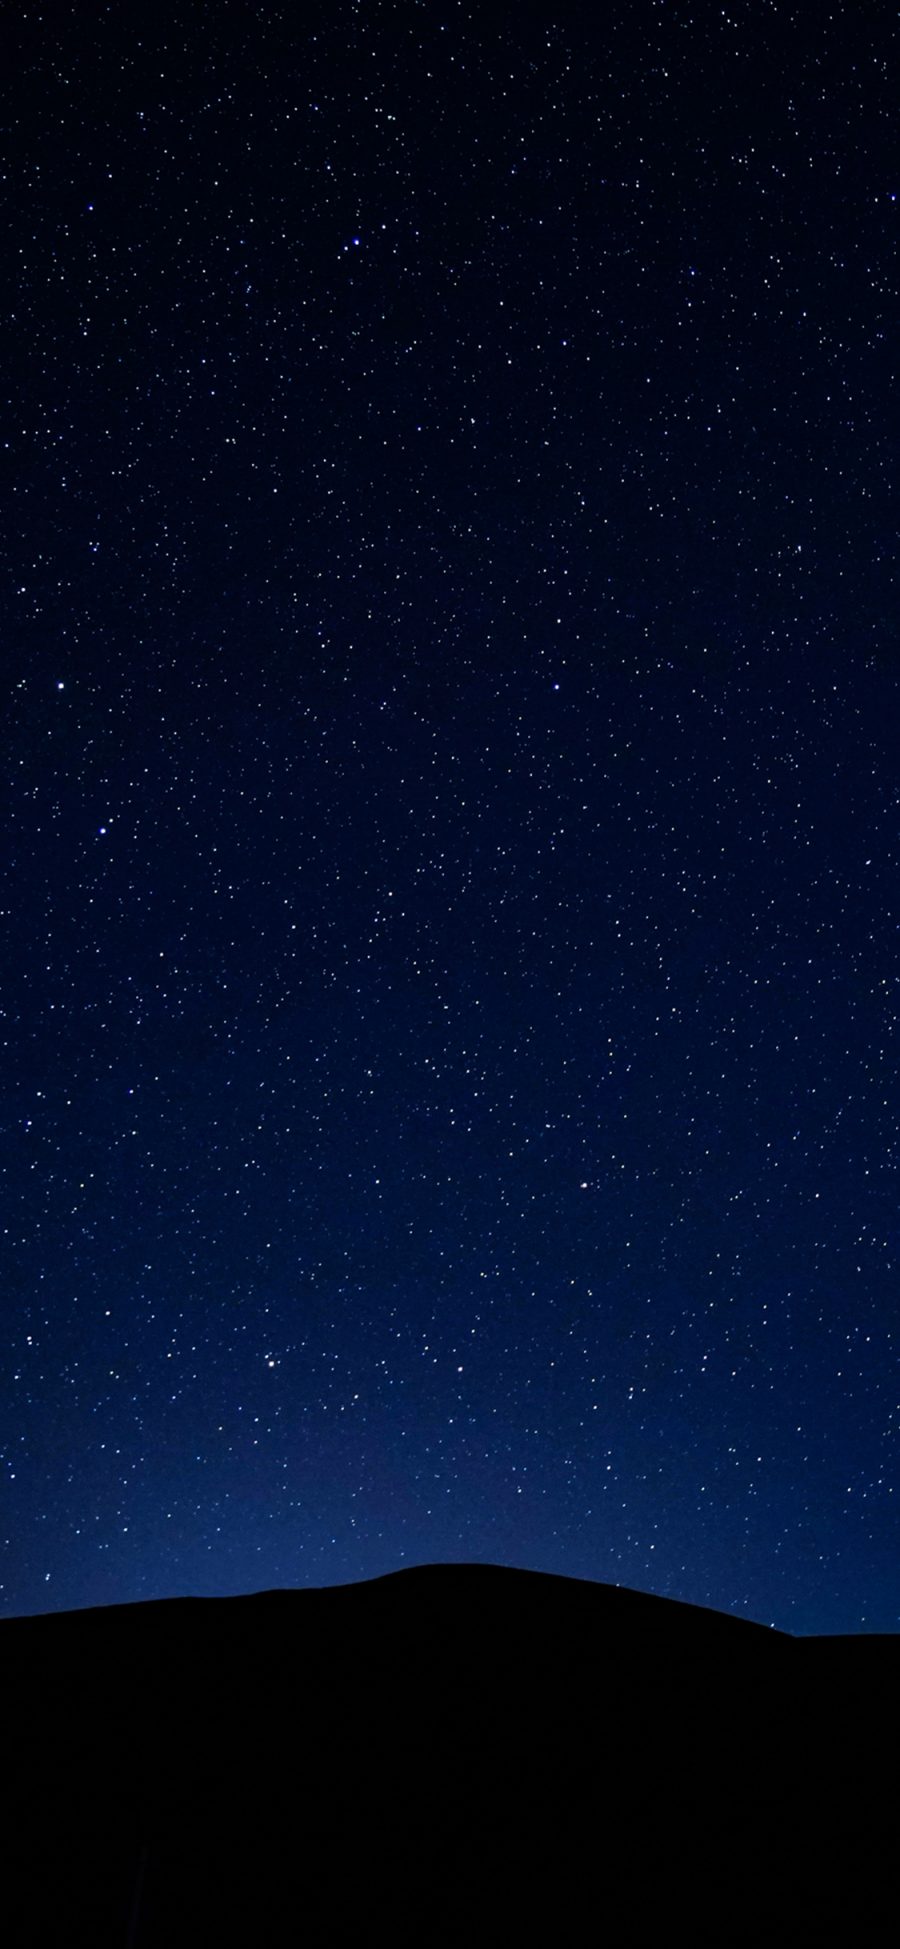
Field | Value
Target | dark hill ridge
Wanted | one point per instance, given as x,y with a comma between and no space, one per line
450,1746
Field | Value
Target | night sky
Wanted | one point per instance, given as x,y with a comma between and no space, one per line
450,1099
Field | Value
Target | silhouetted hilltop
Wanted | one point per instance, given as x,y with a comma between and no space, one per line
451,1746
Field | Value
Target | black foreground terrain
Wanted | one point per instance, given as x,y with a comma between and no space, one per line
452,1752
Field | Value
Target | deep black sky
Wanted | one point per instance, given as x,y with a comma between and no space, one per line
450,982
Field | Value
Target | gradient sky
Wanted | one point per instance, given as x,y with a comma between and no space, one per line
450,899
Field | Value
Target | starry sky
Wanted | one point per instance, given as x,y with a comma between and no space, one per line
450,983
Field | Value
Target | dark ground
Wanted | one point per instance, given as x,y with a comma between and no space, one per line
453,1749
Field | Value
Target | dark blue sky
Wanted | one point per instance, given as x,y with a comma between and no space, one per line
450,887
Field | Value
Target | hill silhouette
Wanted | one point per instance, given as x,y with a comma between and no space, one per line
454,1748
